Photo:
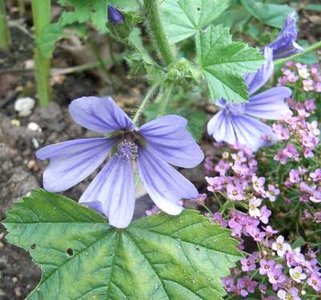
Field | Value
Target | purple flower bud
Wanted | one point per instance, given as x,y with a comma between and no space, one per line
114,15
285,44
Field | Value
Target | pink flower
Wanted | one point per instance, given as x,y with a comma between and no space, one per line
294,176
248,264
281,132
222,167
258,183
315,281
276,275
215,183
272,192
266,266
265,213
316,175
270,231
235,192
218,218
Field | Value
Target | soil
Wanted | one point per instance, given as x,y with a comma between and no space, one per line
20,171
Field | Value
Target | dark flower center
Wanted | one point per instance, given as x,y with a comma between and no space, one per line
127,149
235,109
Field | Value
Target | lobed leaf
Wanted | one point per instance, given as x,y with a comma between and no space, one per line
193,16
82,257
224,63
269,14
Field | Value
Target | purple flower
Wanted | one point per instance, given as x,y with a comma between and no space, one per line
285,45
248,264
235,192
265,213
266,266
238,123
315,281
152,148
276,275
114,15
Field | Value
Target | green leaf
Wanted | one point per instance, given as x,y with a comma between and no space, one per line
51,34
94,11
224,63
157,257
183,18
309,58
270,14
314,7
236,17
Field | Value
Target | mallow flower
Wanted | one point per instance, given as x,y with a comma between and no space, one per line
152,149
285,44
239,124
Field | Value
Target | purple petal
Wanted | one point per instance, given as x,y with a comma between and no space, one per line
72,161
168,138
114,15
257,79
165,185
285,45
112,192
221,128
251,132
99,114
271,104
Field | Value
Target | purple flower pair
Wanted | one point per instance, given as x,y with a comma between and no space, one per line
151,149
237,124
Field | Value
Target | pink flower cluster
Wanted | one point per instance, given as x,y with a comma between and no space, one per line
301,135
308,183
274,266
306,77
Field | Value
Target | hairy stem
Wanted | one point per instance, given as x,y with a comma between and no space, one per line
41,13
163,105
156,27
4,30
305,51
145,101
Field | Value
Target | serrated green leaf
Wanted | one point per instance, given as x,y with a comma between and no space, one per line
94,11
270,14
183,18
224,64
51,34
158,257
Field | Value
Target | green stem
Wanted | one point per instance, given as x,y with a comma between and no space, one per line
41,13
163,106
156,27
305,51
4,30
142,106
